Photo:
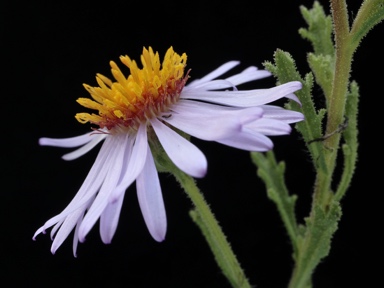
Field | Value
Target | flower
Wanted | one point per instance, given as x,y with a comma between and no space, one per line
149,104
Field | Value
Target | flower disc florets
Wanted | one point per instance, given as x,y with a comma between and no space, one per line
144,94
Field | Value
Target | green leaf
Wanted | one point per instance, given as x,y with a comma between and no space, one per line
319,31
323,67
311,128
272,173
350,136
315,244
369,15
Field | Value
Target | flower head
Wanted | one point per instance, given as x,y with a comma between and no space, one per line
149,105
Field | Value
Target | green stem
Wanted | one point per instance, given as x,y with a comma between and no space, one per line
337,100
213,233
315,244
323,195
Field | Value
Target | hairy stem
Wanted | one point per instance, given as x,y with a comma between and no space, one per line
204,218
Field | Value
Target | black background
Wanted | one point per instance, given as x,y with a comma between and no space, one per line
50,48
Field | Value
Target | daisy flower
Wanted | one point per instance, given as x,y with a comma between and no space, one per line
150,105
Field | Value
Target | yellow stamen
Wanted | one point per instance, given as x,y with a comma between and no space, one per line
145,93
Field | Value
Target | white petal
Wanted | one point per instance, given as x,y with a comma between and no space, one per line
249,141
109,219
269,127
67,226
248,75
246,98
151,199
218,121
110,216
192,107
67,142
84,149
214,74
215,85
114,169
57,227
278,113
87,190
183,153
134,163
293,97
75,240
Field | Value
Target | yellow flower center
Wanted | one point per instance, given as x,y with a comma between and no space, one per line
144,94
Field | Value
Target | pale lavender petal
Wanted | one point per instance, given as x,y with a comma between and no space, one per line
84,149
75,241
246,98
56,227
66,228
111,214
269,127
114,169
133,164
67,142
248,75
192,107
279,113
215,85
293,97
218,121
39,231
214,74
109,219
151,199
88,189
183,153
249,141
